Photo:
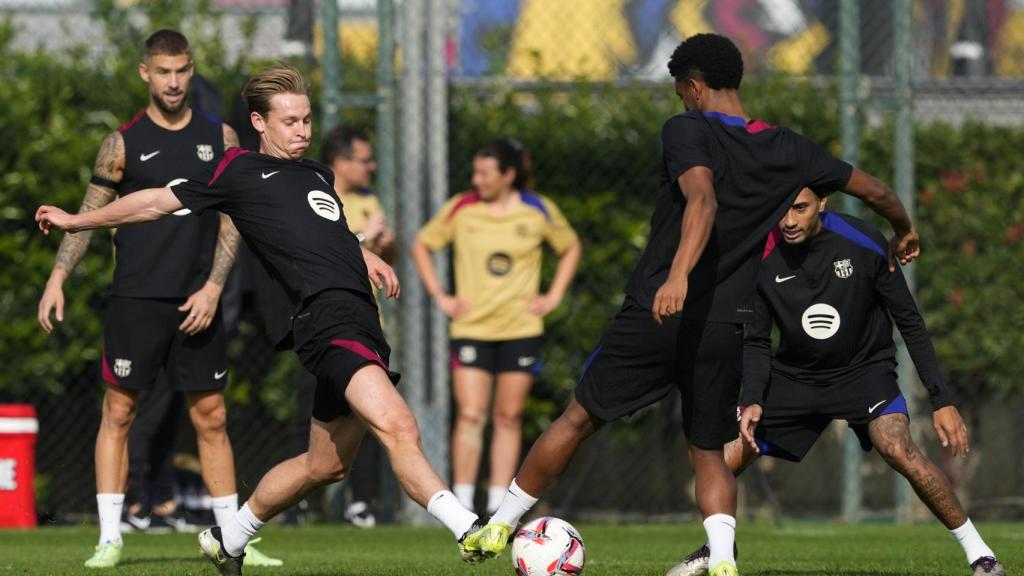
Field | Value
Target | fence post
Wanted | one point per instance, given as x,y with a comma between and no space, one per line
849,66
903,181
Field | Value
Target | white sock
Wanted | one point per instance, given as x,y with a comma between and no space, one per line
721,530
224,509
110,506
237,532
465,494
446,507
516,502
969,539
494,496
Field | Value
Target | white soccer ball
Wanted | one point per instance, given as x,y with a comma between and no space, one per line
548,547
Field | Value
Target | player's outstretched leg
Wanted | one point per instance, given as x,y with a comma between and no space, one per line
332,447
545,462
374,399
738,456
890,435
209,417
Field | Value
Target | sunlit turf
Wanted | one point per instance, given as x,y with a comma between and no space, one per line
619,550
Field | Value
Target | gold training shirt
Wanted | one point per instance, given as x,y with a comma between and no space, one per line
358,207
497,261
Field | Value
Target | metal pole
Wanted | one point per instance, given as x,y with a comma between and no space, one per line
385,186
849,66
386,105
414,304
331,94
903,181
435,425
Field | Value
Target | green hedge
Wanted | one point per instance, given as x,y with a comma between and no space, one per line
596,153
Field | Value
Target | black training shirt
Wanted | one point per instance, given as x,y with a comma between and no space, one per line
758,170
170,257
831,297
290,217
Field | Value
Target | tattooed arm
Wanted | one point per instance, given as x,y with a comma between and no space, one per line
107,174
202,306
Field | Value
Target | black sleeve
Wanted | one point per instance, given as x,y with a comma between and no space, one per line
200,197
823,172
895,294
684,145
757,353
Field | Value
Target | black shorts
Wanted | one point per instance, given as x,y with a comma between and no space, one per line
796,413
496,356
141,337
337,333
639,362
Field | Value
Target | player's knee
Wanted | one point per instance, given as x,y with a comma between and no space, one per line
471,421
211,422
321,471
401,432
896,450
118,412
578,420
505,418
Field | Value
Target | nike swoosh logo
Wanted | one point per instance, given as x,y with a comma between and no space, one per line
265,176
219,375
145,157
779,280
872,409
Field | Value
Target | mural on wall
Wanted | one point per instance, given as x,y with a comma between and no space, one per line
609,39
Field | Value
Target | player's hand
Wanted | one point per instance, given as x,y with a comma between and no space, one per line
201,308
951,430
748,424
904,247
382,275
542,304
375,226
452,307
53,299
51,217
669,298
385,240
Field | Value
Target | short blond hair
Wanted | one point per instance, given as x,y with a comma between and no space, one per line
280,79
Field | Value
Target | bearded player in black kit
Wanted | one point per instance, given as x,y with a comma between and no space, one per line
825,283
168,278
286,209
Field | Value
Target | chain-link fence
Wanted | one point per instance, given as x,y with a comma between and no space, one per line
584,85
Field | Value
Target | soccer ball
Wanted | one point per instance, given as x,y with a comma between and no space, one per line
548,547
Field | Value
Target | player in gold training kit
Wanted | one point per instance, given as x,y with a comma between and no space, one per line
497,231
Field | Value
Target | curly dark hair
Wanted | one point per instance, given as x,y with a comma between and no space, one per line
710,57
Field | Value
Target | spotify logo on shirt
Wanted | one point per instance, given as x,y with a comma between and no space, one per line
821,321
324,205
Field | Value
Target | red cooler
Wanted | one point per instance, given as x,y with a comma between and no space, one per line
18,427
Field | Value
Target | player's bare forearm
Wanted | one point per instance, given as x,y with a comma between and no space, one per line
141,206
879,198
425,267
73,246
230,137
566,270
224,255
109,167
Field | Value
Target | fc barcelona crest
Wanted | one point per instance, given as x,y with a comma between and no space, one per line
205,152
122,367
843,268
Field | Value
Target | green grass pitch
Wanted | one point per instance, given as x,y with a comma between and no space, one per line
798,549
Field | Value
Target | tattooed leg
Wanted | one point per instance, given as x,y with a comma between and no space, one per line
891,436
